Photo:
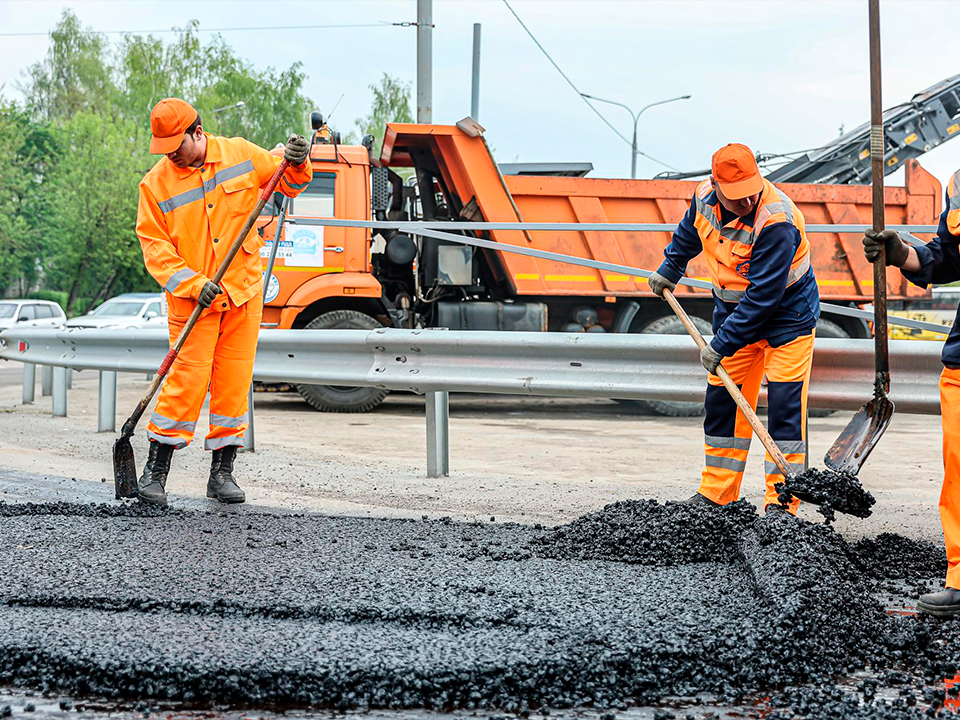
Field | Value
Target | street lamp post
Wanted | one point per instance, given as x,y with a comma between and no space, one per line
238,104
636,117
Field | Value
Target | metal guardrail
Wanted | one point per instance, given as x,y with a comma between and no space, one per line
436,362
440,231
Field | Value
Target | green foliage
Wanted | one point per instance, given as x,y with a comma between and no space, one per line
74,153
24,151
391,103
95,209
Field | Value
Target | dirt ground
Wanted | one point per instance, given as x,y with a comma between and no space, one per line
514,458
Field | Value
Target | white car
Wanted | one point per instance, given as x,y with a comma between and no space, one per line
30,313
129,311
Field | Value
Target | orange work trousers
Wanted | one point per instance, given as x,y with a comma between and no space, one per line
950,493
727,434
219,354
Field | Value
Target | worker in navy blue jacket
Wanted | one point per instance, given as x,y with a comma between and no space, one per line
766,310
938,262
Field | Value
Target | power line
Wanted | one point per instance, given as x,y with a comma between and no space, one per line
579,94
201,29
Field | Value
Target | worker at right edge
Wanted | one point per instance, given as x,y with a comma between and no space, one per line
938,262
766,306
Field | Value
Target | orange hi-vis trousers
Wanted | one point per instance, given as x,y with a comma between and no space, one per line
727,433
950,493
219,353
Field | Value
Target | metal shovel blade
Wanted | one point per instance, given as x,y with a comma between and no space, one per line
124,468
860,436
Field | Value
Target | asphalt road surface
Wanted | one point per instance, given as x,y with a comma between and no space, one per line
343,586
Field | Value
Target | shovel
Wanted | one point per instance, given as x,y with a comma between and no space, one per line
731,386
864,430
124,463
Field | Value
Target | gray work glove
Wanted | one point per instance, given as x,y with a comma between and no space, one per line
658,282
296,150
710,359
897,249
208,294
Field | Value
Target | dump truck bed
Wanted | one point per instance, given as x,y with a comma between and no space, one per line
466,170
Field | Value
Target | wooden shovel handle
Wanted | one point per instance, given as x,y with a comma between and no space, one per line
732,388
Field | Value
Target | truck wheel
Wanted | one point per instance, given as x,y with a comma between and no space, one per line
335,398
671,325
826,329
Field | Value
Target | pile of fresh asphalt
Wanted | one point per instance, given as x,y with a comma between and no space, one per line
832,491
629,605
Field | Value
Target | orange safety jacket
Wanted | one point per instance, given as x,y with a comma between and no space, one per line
953,204
188,218
727,248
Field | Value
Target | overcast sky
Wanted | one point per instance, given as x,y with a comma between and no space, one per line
779,76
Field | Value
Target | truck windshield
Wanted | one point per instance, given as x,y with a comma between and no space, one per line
7,310
317,199
120,309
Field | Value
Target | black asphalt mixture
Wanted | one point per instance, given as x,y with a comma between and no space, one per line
636,604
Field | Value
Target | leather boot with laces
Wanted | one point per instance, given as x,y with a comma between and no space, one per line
153,482
222,485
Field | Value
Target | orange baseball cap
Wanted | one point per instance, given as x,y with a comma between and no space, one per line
735,170
169,120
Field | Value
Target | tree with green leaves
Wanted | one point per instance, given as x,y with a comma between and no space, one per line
90,239
25,151
391,103
74,153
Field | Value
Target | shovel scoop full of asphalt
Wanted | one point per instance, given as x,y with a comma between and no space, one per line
832,491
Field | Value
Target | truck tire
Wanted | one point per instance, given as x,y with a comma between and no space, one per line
826,329
334,398
671,325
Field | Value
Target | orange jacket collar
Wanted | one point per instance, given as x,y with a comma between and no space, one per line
214,155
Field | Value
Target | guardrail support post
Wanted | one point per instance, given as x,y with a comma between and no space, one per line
249,442
107,415
69,378
29,382
438,434
60,391
46,381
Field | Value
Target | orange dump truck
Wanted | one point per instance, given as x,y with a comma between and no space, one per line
331,277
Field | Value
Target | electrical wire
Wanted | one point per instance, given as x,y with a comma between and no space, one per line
579,94
202,29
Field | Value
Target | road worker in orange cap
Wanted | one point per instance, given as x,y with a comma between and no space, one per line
193,203
938,261
766,306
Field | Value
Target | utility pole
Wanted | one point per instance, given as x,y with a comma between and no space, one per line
424,61
475,85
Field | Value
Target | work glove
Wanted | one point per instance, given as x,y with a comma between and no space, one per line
296,150
658,282
710,359
897,249
208,294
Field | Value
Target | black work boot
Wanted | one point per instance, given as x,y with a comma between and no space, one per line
153,482
698,499
222,485
942,604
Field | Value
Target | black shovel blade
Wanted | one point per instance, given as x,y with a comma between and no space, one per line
860,436
124,468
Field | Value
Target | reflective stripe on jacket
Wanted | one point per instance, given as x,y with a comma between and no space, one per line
188,217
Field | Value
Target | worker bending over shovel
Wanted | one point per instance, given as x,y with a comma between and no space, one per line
193,203
766,306
938,262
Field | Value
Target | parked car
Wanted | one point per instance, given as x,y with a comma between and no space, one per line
30,313
131,310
